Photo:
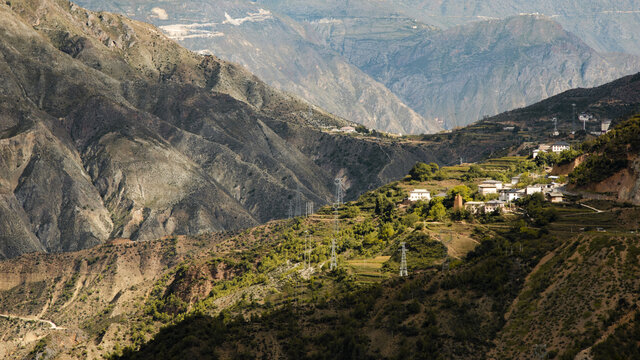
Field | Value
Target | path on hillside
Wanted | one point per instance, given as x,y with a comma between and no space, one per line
50,323
592,208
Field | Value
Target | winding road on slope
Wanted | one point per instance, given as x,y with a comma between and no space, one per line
50,323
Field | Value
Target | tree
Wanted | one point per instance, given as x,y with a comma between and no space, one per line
385,208
438,212
387,231
462,190
421,171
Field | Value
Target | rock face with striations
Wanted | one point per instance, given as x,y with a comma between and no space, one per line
110,129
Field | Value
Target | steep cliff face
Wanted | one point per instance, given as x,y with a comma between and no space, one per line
110,129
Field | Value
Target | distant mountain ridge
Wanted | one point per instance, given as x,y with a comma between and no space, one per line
393,65
281,52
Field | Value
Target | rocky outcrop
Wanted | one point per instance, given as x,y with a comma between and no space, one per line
624,185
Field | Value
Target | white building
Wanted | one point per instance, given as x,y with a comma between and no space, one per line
496,184
419,194
533,189
560,147
473,206
348,129
604,126
485,189
491,206
511,195
535,153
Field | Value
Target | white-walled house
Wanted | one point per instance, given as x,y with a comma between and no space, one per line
533,189
511,195
485,189
495,183
491,206
473,206
560,146
419,194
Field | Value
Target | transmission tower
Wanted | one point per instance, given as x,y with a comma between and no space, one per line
445,264
309,208
298,203
403,260
573,119
290,209
339,194
307,250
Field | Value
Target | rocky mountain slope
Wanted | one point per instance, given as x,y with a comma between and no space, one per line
279,51
489,286
110,129
465,73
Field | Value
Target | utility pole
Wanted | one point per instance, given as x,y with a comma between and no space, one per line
307,250
403,261
336,206
573,119
309,208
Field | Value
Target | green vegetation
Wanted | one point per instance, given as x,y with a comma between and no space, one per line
622,344
609,153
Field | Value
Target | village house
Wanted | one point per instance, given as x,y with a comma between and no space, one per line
348,129
489,187
532,189
497,184
555,197
473,206
559,147
419,194
484,189
511,195
493,205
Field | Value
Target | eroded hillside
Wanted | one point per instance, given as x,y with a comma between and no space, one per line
110,129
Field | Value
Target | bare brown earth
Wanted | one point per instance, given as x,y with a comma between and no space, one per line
566,169
624,186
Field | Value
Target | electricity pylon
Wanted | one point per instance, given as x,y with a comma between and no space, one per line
403,261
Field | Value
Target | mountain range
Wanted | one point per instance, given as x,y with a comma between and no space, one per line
109,129
281,52
443,70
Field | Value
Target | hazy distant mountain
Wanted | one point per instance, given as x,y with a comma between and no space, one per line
460,74
465,73
281,52
605,25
